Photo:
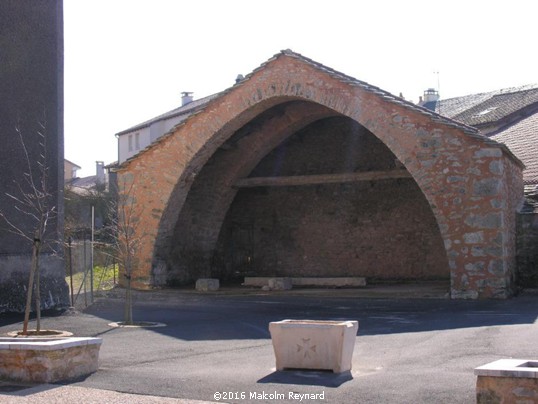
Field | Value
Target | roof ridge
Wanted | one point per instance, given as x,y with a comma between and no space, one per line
507,90
519,89
434,116
385,94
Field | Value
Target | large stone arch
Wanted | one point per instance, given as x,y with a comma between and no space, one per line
472,184
214,188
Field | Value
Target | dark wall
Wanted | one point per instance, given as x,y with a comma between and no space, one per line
31,89
377,229
527,240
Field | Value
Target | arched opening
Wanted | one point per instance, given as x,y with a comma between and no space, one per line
352,209
189,178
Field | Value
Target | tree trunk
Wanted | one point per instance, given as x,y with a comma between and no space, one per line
128,313
37,287
33,267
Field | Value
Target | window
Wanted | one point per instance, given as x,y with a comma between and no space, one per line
130,142
137,141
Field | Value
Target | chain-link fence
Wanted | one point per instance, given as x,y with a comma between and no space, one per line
90,270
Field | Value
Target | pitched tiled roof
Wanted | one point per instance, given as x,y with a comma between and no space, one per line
182,112
498,107
82,186
522,139
452,107
484,108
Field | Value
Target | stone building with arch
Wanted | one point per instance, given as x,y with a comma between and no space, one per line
300,170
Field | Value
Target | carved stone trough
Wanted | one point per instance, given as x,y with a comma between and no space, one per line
507,381
48,360
314,344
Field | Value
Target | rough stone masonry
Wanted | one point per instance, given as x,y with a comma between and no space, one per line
299,170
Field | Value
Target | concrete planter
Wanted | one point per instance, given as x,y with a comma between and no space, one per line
314,344
507,381
48,360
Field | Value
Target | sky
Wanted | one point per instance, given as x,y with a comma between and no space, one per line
126,61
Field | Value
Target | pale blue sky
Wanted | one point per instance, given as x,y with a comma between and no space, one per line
129,60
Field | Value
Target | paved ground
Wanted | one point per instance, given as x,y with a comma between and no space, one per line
408,350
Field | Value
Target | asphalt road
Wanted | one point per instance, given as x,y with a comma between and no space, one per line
406,350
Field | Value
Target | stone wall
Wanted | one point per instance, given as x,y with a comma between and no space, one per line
506,390
380,232
48,360
376,229
527,254
527,240
464,177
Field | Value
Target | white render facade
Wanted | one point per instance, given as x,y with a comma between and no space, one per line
131,141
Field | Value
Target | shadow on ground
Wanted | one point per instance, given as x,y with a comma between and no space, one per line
192,316
307,378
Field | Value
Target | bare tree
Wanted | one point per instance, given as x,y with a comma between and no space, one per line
33,201
126,240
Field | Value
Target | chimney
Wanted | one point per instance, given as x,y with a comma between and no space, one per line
239,78
100,172
431,95
186,98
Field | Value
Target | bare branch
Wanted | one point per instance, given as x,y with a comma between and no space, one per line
33,203
14,229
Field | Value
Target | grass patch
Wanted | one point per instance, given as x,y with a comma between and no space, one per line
103,279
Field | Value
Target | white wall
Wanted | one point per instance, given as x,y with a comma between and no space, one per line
146,135
128,148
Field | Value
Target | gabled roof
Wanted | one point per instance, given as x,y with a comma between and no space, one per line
491,107
84,185
73,164
203,103
373,89
183,112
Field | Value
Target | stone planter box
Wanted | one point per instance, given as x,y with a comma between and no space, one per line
314,344
507,381
48,360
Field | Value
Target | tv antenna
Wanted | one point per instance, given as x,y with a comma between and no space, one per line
438,91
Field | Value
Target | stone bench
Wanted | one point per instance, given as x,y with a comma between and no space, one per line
48,360
207,285
260,281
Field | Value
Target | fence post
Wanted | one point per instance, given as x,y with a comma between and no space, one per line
91,254
71,271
